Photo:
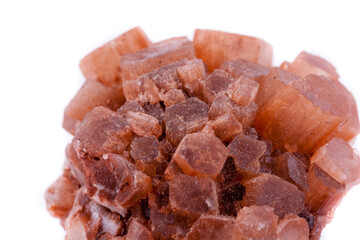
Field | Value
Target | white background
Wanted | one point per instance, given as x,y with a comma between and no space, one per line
42,42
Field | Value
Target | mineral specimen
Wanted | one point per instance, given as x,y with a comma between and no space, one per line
222,146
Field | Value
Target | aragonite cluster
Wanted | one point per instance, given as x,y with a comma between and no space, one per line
203,140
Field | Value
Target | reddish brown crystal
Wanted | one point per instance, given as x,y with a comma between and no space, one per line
338,160
130,106
146,153
215,228
325,193
185,117
226,127
191,75
216,47
306,63
257,223
241,68
60,195
92,94
103,63
201,154
156,56
114,183
317,114
292,169
102,131
246,152
217,83
244,91
193,196
137,231
143,124
293,227
172,97
267,189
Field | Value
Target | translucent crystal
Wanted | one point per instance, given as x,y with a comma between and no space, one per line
242,68
226,127
137,231
270,190
185,117
215,228
191,75
143,124
114,183
193,196
293,227
156,56
257,223
172,97
216,47
246,152
201,154
103,63
217,83
292,169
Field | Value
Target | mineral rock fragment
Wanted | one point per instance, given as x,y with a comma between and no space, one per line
143,124
74,163
246,152
172,97
193,196
102,131
88,220
61,194
226,127
156,56
130,106
338,159
114,183
92,94
215,228
103,63
270,190
185,117
216,47
137,231
191,75
303,115
146,153
293,227
292,169
201,154
245,91
217,83
241,68
325,193
306,63
257,223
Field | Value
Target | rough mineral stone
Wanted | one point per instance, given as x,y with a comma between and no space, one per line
306,63
215,228
244,114
257,223
170,146
114,182
172,97
241,68
156,56
292,169
168,225
338,159
103,63
143,124
293,227
325,193
191,75
303,115
146,153
102,131
88,220
130,106
92,94
201,154
217,83
216,47
246,152
185,117
226,127
137,231
61,194
267,189
193,196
